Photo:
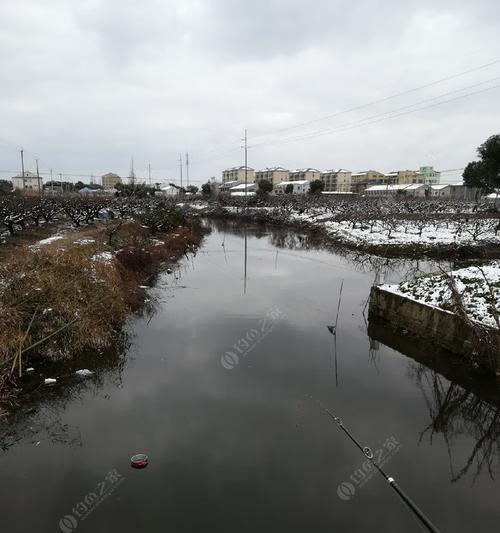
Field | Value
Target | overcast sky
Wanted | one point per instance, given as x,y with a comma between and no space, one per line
86,85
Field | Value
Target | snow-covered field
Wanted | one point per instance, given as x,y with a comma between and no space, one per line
479,288
411,232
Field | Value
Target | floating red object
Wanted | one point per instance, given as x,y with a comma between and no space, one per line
139,461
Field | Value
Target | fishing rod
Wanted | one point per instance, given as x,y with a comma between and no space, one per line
367,452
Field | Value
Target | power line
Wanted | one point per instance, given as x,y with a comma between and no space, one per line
384,99
374,118
216,153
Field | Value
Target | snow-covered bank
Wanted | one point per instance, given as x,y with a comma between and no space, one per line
383,231
478,287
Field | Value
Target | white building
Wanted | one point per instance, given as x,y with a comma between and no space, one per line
414,189
442,190
299,187
429,175
28,184
242,190
228,185
168,190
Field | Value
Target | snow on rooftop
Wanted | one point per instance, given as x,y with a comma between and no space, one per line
242,186
335,171
388,188
285,183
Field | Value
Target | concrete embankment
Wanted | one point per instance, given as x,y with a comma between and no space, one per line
442,328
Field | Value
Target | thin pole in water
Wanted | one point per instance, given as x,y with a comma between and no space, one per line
367,452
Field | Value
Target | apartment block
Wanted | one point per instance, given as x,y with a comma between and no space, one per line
336,180
238,174
274,175
301,174
110,180
361,180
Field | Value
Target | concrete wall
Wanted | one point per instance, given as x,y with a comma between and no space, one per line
442,327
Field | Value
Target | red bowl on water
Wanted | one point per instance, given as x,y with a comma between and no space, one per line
139,461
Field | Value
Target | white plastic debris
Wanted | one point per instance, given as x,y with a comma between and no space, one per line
30,369
49,381
84,372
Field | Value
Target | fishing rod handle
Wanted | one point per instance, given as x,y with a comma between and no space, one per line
413,507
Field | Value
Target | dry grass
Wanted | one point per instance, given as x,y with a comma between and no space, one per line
74,294
55,286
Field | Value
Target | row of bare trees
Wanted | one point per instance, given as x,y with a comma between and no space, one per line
18,213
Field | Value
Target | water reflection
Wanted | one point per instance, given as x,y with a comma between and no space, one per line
37,417
461,402
219,439
454,412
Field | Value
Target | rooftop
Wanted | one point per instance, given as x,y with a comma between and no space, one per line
238,168
26,175
297,182
334,171
388,188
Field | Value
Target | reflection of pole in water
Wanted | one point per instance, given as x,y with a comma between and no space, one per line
246,259
336,364
333,331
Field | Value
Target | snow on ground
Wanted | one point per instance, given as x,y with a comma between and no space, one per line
84,240
479,288
387,231
103,257
48,240
405,234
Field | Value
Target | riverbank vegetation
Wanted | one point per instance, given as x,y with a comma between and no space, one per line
73,291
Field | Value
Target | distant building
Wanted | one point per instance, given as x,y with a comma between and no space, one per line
443,190
168,190
336,180
28,184
414,189
274,175
409,177
429,175
89,191
238,174
226,186
307,174
239,190
299,187
361,180
110,180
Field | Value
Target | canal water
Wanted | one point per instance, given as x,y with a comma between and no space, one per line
213,386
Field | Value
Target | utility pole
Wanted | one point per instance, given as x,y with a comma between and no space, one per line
149,173
187,168
38,178
51,183
246,162
62,185
22,164
132,172
22,168
180,166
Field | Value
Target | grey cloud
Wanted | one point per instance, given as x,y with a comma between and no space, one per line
85,85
